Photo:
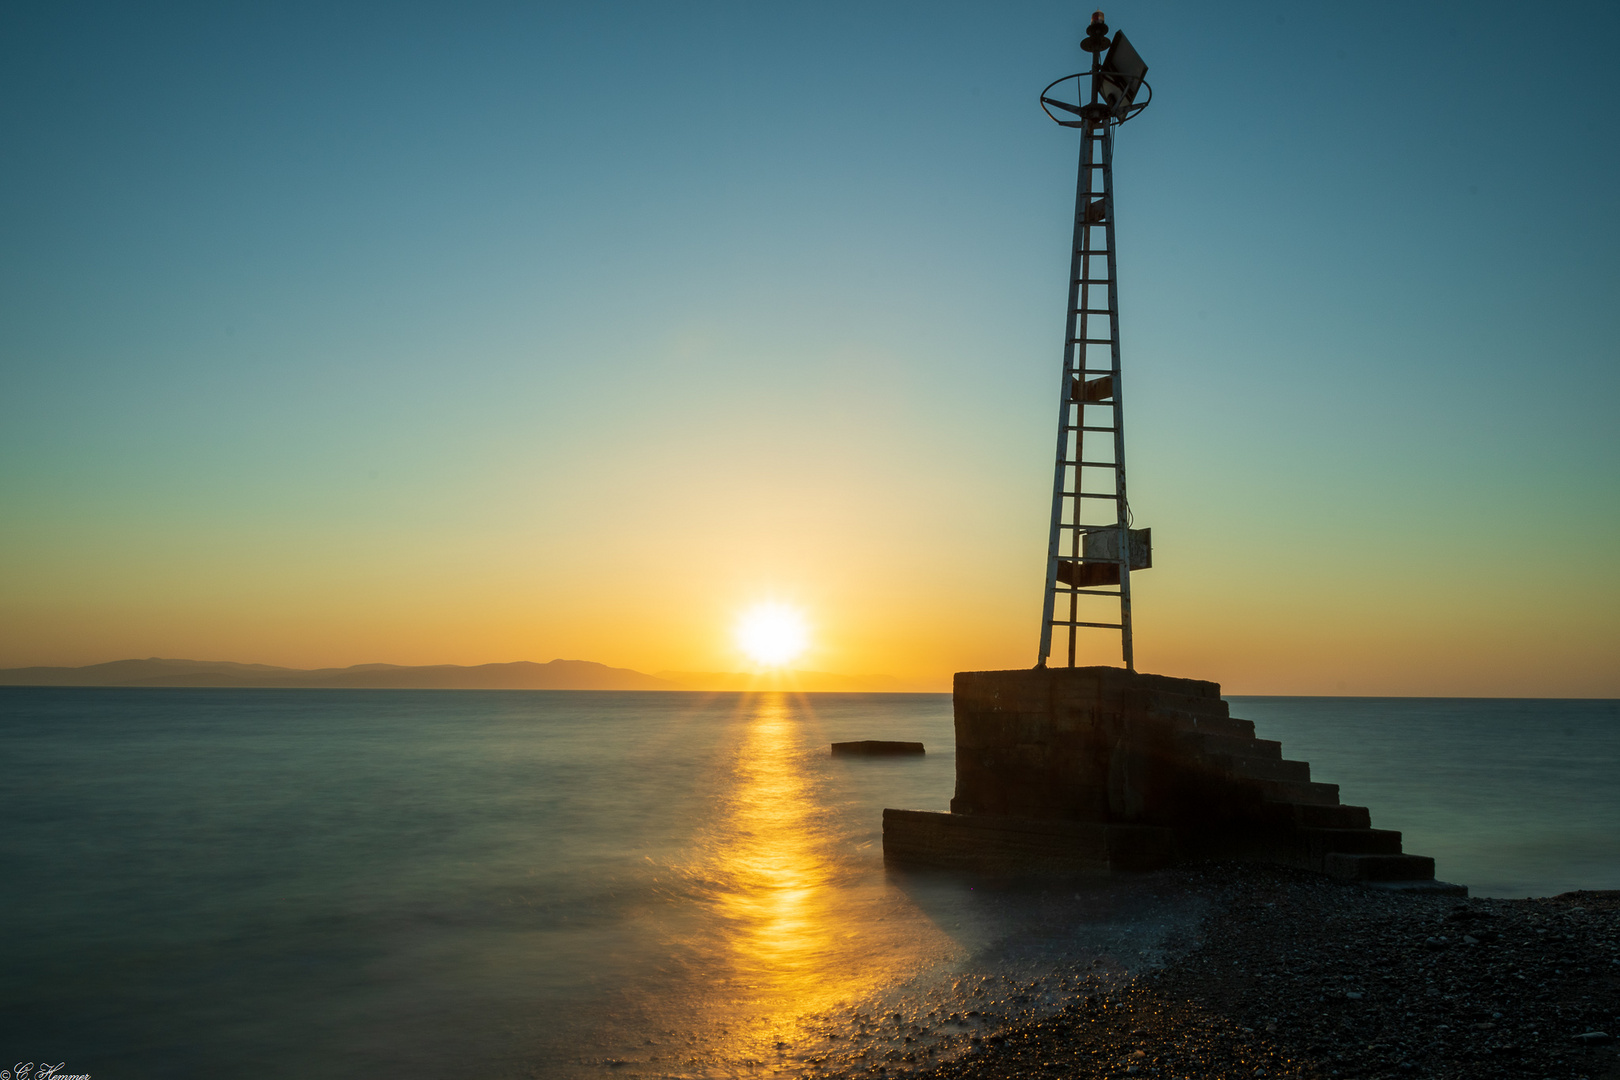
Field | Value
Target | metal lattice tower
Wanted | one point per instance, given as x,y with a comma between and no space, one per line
1092,548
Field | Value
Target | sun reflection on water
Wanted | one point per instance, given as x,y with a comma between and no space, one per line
775,868
784,920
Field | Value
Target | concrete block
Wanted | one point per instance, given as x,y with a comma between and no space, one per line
1090,769
1230,725
876,748
1260,768
1352,841
1291,791
1232,745
1353,867
1005,844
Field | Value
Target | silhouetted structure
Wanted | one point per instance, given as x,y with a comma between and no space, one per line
1100,768
1089,561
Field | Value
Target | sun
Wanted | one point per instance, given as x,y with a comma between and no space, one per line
772,634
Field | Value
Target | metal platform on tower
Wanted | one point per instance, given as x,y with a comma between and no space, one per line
1092,548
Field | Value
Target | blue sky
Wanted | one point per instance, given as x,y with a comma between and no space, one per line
344,333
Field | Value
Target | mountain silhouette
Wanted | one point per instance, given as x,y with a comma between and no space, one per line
522,675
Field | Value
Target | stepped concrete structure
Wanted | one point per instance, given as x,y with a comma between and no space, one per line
1097,769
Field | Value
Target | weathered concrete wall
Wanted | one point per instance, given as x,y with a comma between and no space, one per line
1082,744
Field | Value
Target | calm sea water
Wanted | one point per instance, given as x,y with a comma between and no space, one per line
508,883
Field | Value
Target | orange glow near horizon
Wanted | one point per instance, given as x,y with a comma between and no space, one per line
874,615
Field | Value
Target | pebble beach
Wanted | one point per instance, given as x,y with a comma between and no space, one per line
1294,975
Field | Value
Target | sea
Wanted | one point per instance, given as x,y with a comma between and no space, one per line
440,884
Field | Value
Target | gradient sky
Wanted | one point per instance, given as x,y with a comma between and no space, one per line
457,333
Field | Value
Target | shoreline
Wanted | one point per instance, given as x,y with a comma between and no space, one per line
1294,975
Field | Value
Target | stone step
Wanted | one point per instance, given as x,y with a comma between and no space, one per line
1217,725
1169,704
1294,791
1290,845
1318,816
1429,886
1354,841
1255,768
1357,867
1108,680
1233,745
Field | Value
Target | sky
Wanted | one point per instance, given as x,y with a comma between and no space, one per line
477,332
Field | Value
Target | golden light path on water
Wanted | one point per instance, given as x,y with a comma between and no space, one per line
808,928
775,865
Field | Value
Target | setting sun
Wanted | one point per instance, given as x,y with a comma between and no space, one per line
772,634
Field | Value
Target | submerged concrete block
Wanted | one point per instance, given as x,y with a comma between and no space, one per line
877,748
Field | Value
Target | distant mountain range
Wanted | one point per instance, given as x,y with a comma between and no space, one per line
523,675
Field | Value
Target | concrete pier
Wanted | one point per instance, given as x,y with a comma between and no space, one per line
1099,769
